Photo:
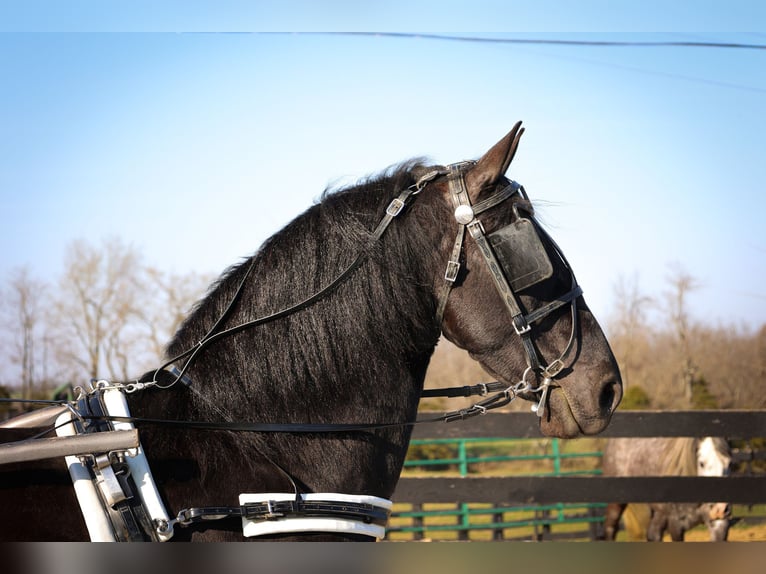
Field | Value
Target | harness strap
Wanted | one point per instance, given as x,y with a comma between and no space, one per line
481,389
270,510
278,513
496,199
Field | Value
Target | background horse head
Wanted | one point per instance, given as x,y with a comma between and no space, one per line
709,456
358,353
714,459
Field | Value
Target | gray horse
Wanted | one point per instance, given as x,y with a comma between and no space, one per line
709,456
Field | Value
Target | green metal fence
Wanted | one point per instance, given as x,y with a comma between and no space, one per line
463,459
464,456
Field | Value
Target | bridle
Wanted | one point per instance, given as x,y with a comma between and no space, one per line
465,215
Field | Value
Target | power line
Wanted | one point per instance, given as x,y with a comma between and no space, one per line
554,42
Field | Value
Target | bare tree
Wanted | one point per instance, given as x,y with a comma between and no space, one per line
24,318
173,296
682,283
629,326
96,307
114,315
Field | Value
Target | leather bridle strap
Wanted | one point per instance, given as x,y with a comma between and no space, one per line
466,218
459,196
465,215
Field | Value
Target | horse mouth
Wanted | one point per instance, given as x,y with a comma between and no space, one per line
564,416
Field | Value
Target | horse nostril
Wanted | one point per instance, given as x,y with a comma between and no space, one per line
610,397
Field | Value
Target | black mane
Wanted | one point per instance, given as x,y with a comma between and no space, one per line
382,317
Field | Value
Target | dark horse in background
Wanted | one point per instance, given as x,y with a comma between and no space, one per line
357,355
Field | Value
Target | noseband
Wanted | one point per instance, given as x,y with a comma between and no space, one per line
465,215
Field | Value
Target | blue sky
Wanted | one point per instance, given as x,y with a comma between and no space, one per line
195,145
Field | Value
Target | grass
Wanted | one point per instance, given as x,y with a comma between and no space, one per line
480,521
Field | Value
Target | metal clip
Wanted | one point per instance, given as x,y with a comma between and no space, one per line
425,179
184,518
133,387
540,406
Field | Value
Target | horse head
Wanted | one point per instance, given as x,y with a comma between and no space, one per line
714,459
548,340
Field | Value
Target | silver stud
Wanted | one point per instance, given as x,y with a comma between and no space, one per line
464,214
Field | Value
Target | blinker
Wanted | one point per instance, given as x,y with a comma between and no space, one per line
521,254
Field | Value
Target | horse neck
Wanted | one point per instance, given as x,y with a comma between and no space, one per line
367,341
680,456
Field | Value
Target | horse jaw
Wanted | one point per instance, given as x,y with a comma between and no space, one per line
569,414
561,418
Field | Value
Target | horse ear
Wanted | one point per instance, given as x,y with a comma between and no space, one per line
493,164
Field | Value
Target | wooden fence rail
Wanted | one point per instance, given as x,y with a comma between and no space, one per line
738,424
551,489
730,424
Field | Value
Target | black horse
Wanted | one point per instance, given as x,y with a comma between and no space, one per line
366,303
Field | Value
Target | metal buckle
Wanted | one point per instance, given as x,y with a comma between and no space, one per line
524,329
453,268
554,368
395,207
270,511
475,228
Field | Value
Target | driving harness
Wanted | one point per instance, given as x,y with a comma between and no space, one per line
116,491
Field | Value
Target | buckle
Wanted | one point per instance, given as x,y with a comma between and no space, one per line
395,207
475,228
453,268
523,328
271,512
554,368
